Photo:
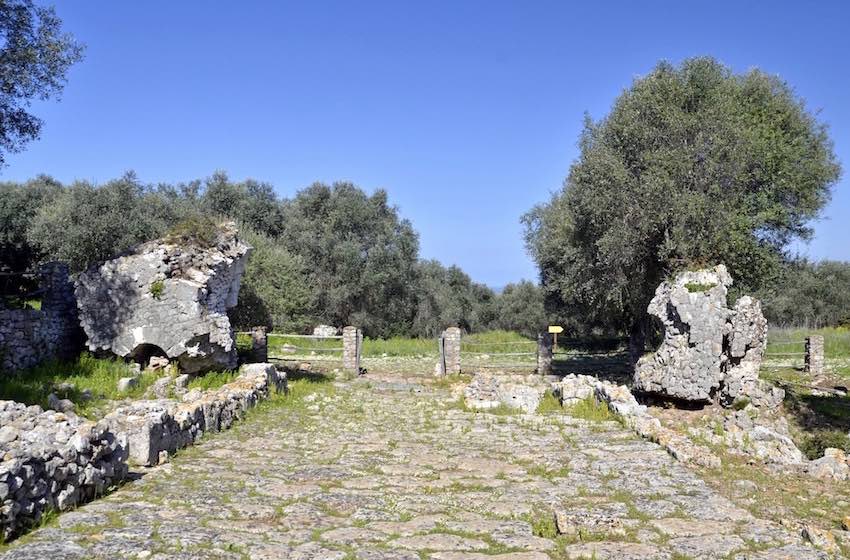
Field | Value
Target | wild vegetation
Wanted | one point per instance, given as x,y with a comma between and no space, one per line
333,254
694,165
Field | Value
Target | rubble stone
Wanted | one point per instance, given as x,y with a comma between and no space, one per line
52,460
158,425
488,391
709,352
167,299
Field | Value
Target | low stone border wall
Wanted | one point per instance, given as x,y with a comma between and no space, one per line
619,399
52,461
158,428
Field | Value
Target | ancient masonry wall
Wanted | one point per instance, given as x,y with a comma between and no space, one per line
814,354
157,428
52,461
29,337
352,348
544,354
450,351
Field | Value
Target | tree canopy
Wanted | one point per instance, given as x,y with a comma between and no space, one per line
331,254
694,165
34,58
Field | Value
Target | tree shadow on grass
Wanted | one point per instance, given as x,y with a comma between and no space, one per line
614,367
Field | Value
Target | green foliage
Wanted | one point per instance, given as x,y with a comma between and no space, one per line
809,294
85,224
814,444
693,166
99,376
34,59
157,288
362,257
449,298
836,341
549,404
542,524
196,230
18,206
212,380
591,409
696,288
520,308
275,290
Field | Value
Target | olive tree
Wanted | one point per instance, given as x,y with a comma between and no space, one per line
34,58
695,165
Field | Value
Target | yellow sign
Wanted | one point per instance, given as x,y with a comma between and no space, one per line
555,329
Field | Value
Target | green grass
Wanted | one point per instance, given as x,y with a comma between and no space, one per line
694,287
212,380
491,342
836,341
100,376
591,409
549,404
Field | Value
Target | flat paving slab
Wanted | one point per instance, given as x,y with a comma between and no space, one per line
374,471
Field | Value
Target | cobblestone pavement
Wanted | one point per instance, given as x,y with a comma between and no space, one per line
399,471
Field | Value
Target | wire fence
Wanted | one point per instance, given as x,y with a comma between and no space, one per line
508,355
307,347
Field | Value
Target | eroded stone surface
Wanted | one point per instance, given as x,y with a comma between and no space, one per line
710,351
166,296
400,471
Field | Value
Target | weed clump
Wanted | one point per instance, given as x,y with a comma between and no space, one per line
814,444
199,231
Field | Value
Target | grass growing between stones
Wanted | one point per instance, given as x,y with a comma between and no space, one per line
88,382
782,497
212,380
549,404
591,409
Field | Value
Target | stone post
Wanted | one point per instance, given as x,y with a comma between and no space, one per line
352,340
814,354
259,345
544,354
58,290
450,351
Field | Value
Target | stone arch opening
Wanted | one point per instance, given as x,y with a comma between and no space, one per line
143,353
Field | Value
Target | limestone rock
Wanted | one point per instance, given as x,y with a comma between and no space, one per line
125,384
709,352
166,298
166,425
832,466
487,391
52,460
59,405
325,330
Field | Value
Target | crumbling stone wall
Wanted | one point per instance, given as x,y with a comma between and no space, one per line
157,428
29,337
709,351
166,297
52,461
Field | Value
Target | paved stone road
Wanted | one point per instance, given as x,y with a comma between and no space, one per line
393,471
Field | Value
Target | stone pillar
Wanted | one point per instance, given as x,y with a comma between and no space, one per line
450,355
58,290
814,354
544,354
259,345
352,340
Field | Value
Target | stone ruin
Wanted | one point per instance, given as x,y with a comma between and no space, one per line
710,352
166,298
52,461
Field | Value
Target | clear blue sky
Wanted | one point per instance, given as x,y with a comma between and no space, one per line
467,112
